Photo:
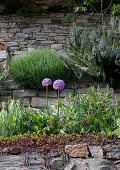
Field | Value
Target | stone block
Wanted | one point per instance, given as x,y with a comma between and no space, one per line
26,101
57,46
43,20
46,30
111,152
80,150
47,42
90,164
57,38
11,44
30,30
6,151
71,85
57,162
66,92
96,151
4,55
41,101
52,94
15,150
21,35
53,34
61,31
25,93
14,30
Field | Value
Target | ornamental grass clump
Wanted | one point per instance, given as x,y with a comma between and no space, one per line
46,82
58,85
13,116
30,68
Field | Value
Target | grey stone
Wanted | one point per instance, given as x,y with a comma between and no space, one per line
2,25
47,42
96,151
52,94
4,55
25,93
46,30
72,85
30,30
90,164
57,162
61,31
12,44
43,20
16,162
21,35
57,46
14,30
112,152
41,101
6,151
56,153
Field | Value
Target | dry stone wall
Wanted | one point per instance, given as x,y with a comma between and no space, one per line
23,32
26,32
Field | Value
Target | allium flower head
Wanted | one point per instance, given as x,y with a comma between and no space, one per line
46,82
58,85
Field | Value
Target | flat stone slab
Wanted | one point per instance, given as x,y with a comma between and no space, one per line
16,162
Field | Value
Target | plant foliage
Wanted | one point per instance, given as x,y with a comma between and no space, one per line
96,51
12,118
30,68
97,111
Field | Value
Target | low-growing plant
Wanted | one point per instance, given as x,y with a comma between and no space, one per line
38,121
13,118
30,68
97,111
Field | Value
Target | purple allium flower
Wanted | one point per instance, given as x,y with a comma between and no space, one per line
92,90
116,104
63,129
113,104
46,82
99,94
58,85
61,119
108,108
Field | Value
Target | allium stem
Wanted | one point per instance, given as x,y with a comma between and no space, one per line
47,99
58,109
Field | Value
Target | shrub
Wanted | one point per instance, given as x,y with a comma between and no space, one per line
13,118
30,68
95,51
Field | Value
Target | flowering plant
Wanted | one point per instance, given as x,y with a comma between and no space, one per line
97,111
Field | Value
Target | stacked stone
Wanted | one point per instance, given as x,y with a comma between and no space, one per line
20,33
